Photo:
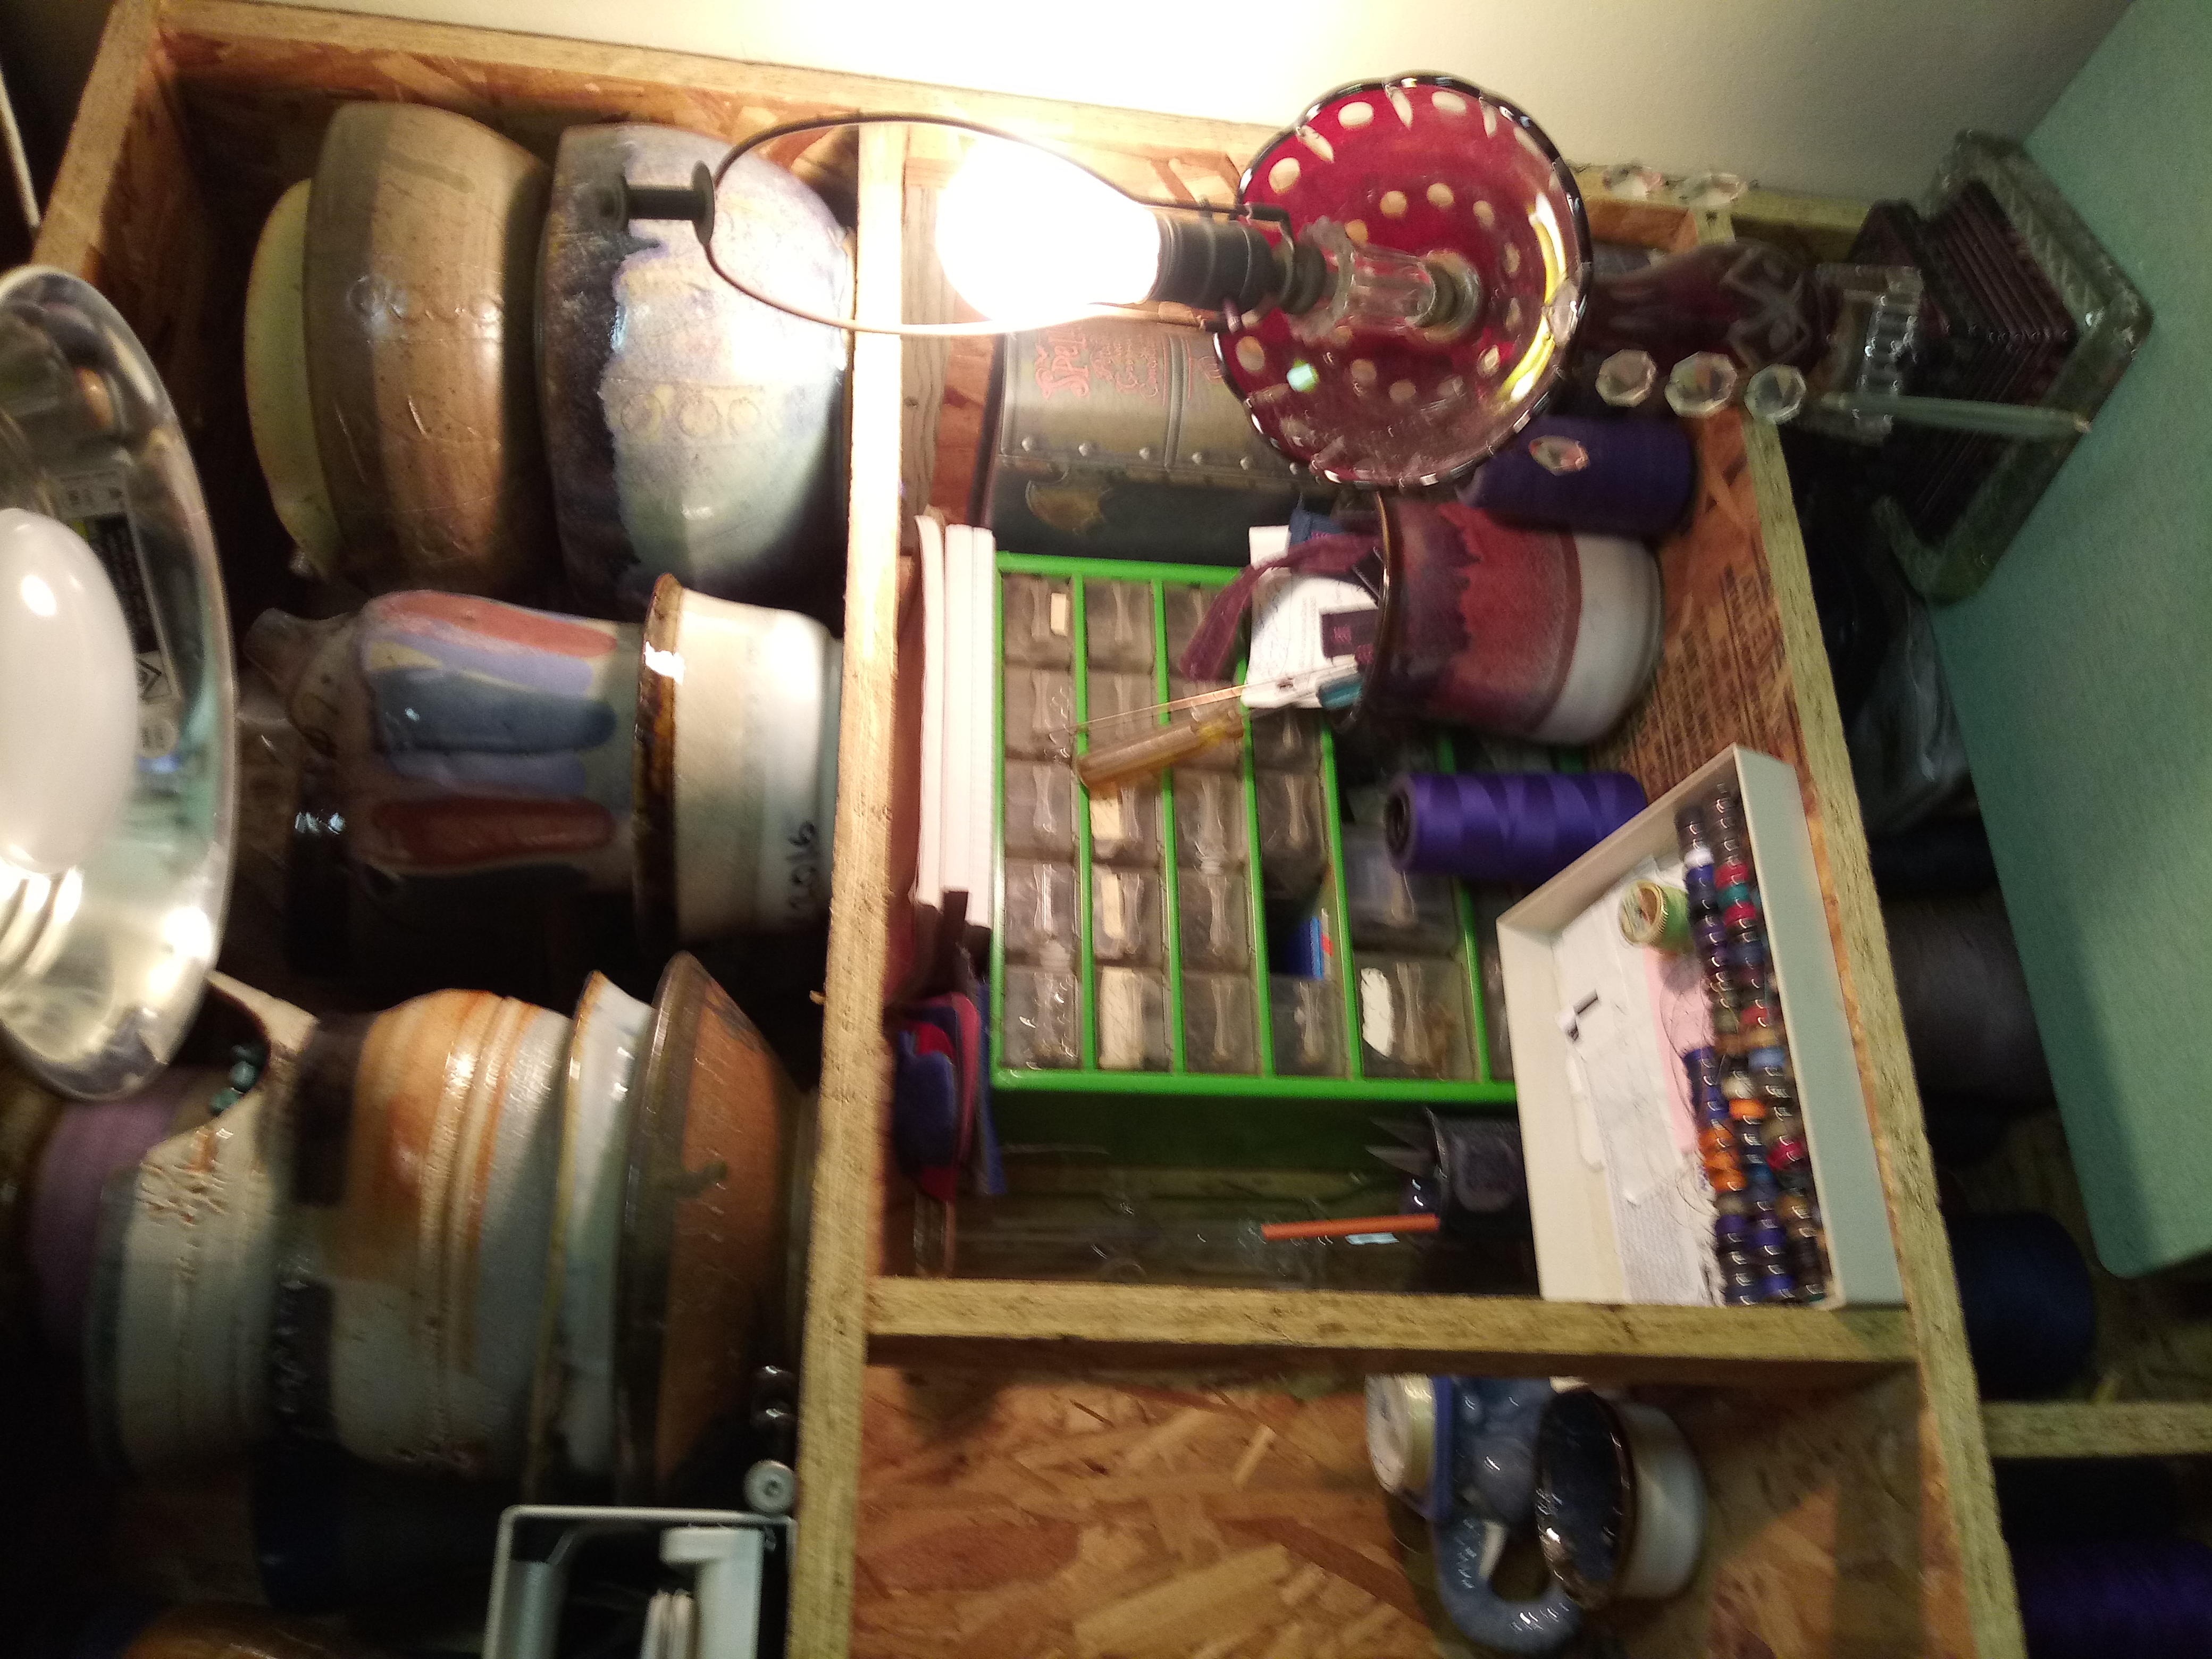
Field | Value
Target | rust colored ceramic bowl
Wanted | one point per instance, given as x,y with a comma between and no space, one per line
419,294
708,1278
436,1258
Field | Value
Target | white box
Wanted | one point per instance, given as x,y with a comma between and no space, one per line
1577,1257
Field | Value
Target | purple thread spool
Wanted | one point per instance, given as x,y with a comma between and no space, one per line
1506,826
1612,478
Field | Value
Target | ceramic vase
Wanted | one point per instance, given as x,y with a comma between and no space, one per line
418,269
692,431
1543,634
478,740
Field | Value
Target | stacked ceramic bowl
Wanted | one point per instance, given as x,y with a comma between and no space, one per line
450,1236
433,314
432,318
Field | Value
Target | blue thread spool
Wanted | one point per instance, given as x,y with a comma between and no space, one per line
2031,1314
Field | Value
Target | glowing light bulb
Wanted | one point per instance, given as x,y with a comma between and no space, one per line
1029,238
68,697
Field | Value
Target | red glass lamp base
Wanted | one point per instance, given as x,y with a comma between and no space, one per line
1441,169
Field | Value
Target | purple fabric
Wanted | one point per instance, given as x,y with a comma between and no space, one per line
1635,481
92,1141
1515,829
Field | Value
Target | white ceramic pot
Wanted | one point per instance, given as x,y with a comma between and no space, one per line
437,1258
736,767
1618,635
177,1336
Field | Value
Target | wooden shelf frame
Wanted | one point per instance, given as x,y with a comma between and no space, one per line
2092,1428
129,212
1022,1325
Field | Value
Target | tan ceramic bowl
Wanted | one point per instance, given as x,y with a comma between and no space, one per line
418,287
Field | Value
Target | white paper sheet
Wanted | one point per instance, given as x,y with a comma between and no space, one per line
983,670
960,711
1618,1067
1286,615
929,871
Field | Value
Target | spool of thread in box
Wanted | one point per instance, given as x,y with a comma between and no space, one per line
1512,828
1655,915
1617,477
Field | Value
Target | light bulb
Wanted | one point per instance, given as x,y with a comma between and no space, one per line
68,697
1029,238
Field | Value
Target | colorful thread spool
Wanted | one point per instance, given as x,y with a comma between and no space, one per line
1655,916
1504,827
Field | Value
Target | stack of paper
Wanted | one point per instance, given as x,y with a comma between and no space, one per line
959,587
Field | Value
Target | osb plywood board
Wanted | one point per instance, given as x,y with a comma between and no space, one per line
1823,1538
1722,679
1068,1520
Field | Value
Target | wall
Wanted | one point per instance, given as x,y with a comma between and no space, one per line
2083,672
1840,97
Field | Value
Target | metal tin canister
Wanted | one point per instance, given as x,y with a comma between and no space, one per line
1109,439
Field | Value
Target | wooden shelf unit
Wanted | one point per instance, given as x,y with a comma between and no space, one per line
1831,1442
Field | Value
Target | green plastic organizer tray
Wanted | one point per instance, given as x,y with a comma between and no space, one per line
1170,1112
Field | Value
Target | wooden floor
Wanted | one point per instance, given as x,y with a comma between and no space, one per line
1005,1518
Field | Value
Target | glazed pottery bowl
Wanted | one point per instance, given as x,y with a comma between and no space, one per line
709,1277
572,1423
692,431
90,1143
419,297
1620,1503
736,767
437,1257
279,404
695,763
1537,634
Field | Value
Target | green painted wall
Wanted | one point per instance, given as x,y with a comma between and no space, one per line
2083,671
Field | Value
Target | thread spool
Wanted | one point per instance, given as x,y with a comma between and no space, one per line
1655,916
2145,1598
1964,996
1618,477
2030,1310
1512,827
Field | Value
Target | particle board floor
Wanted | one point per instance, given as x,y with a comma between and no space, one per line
1062,1520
